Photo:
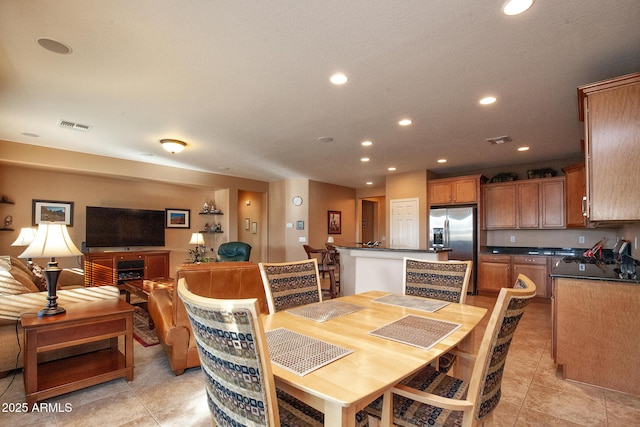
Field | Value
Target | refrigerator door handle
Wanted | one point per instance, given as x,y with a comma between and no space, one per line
446,233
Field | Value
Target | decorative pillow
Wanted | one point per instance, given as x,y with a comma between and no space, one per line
5,263
26,279
38,276
10,286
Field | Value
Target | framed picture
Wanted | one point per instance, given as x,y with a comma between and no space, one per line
254,227
247,221
335,222
45,211
178,218
299,225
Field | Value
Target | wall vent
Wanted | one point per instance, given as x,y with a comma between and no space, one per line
498,140
75,126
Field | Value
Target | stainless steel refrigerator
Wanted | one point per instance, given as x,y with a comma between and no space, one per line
456,228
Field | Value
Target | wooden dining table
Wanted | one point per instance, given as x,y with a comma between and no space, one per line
343,387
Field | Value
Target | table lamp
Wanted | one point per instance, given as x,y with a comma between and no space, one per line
197,239
52,240
25,238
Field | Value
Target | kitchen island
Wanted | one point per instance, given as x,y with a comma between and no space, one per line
365,269
595,325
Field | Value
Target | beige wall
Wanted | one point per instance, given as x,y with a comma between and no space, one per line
328,197
252,208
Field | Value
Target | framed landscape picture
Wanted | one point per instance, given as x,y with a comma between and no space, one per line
178,218
47,211
334,222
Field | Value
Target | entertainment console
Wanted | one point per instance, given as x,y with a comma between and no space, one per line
116,268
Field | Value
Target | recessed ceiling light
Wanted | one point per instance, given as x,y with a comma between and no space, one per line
516,7
54,46
405,122
487,100
369,183
391,169
173,145
338,79
442,160
523,148
366,143
364,159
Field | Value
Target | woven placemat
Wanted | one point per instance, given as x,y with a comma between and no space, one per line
416,331
326,310
417,303
299,353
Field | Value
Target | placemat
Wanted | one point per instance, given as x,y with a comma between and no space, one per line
417,331
325,310
299,353
417,303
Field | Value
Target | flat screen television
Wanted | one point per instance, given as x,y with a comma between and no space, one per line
119,227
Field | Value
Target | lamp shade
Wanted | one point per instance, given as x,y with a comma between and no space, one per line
330,239
52,240
197,239
26,236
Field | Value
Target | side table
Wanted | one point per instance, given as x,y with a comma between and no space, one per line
82,323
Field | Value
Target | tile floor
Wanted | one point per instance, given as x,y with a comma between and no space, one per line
533,393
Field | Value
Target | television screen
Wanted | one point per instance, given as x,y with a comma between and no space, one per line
118,227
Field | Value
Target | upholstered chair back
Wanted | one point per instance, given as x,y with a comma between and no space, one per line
442,280
485,386
234,251
291,284
234,359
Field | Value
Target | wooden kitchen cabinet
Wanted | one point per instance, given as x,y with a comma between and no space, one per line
494,272
576,196
536,269
610,110
499,203
451,191
530,204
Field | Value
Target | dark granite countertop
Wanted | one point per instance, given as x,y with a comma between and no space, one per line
511,250
381,248
612,271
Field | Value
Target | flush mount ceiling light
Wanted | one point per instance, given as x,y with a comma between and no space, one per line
338,79
516,7
405,122
442,160
488,100
498,140
364,159
523,148
54,46
392,168
173,145
366,143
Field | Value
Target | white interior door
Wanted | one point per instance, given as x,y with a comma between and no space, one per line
405,227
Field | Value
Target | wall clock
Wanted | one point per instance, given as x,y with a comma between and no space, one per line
297,201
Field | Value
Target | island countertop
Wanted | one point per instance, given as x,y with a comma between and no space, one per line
608,272
381,248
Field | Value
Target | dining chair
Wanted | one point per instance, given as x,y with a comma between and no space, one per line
290,284
237,371
325,265
441,280
444,400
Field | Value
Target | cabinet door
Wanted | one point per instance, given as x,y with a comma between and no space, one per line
156,266
494,272
99,271
464,190
499,206
575,192
613,132
440,193
552,207
535,268
528,205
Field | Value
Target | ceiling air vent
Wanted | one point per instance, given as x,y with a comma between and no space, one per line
498,140
75,126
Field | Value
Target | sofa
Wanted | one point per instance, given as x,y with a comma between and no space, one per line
231,280
21,292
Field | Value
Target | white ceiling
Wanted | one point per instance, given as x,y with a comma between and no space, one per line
245,84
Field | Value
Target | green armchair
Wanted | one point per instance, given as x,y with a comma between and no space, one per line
234,251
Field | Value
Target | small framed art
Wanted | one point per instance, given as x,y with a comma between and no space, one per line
46,211
178,218
334,222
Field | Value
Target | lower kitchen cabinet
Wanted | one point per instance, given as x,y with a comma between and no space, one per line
496,271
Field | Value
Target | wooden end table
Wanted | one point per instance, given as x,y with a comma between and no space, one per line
143,288
82,323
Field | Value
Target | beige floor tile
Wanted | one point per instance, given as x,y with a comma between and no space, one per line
531,418
578,408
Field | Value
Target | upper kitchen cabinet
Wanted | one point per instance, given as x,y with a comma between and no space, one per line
452,191
529,204
576,196
611,111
